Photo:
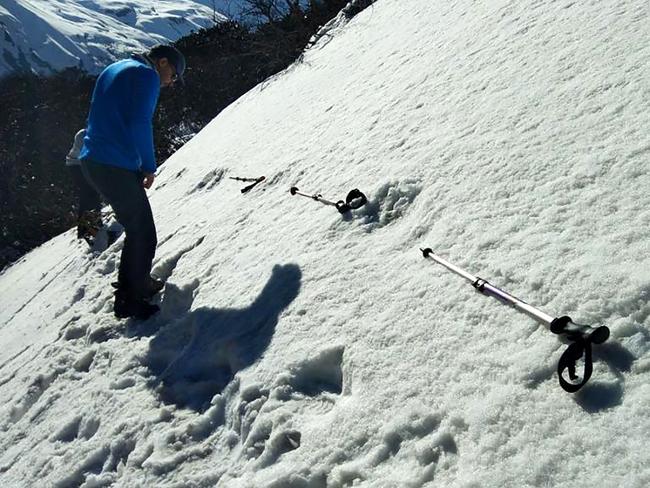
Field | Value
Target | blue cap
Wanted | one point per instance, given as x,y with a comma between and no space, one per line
173,55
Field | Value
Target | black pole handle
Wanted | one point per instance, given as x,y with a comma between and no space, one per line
253,185
566,327
583,336
354,200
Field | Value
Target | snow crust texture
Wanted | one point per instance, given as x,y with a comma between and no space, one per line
301,348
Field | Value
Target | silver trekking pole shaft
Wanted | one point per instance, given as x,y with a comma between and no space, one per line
354,200
318,197
582,336
487,289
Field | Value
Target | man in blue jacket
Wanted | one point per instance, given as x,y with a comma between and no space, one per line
118,158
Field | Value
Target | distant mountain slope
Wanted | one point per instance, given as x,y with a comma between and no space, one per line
43,37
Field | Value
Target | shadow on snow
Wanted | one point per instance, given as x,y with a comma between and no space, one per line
195,356
599,395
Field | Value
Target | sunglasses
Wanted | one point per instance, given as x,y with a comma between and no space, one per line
175,78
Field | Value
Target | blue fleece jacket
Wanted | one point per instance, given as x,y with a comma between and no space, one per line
120,131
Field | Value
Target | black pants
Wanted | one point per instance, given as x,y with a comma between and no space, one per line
89,202
88,198
124,192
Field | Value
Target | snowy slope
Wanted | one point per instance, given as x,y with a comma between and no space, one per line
46,36
300,348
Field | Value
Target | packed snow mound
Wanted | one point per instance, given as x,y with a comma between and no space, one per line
301,348
47,36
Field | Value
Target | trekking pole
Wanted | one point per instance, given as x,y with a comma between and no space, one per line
251,186
354,200
580,336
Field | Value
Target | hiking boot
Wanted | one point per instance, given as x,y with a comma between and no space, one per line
137,308
153,287
88,225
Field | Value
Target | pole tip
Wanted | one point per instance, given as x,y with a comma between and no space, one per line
426,252
293,190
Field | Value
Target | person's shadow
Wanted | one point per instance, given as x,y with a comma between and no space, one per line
194,357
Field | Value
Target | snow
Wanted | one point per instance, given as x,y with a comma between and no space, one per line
47,36
297,347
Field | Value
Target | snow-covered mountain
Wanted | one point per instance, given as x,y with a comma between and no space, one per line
46,36
301,348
